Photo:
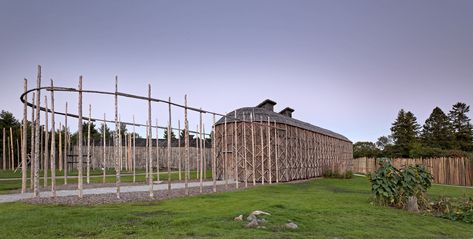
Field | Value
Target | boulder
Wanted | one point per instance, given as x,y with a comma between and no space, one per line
412,205
239,218
291,225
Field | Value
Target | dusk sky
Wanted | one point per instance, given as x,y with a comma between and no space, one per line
347,66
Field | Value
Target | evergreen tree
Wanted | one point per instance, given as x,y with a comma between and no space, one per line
404,132
463,133
437,131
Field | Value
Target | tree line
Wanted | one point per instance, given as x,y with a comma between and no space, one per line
441,135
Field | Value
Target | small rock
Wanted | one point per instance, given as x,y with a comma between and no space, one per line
257,213
251,217
291,225
252,224
412,205
239,218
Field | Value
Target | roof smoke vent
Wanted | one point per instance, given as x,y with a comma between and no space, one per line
287,112
267,105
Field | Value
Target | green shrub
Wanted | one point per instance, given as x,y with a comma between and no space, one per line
454,209
328,173
392,186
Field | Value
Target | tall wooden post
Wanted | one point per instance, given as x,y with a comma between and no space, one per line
269,153
179,148
4,151
276,148
12,151
157,150
214,155
66,146
150,146
235,153
46,141
53,143
262,150
32,144
253,142
88,144
104,159
117,165
133,151
225,159
23,140
79,141
186,139
169,147
201,152
245,150
37,132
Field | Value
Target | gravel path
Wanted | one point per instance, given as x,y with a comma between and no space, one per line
158,187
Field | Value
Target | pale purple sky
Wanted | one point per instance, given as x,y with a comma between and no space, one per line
348,66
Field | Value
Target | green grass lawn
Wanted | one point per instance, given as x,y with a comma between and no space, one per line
324,208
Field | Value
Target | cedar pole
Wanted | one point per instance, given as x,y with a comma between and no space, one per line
276,146
169,148
31,143
186,141
235,132
157,150
178,147
23,142
150,145
262,151
201,152
88,145
12,151
269,153
214,168
104,162
286,156
79,141
36,148
4,154
53,143
117,166
225,161
66,146
46,141
60,147
253,148
134,155
244,148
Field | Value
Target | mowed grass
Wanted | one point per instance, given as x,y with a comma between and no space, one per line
323,208
8,185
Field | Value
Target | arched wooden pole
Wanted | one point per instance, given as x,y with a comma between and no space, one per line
88,144
46,141
169,147
116,143
186,139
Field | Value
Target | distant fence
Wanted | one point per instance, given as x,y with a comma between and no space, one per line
454,171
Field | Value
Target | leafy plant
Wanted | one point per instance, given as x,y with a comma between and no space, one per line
454,209
392,186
